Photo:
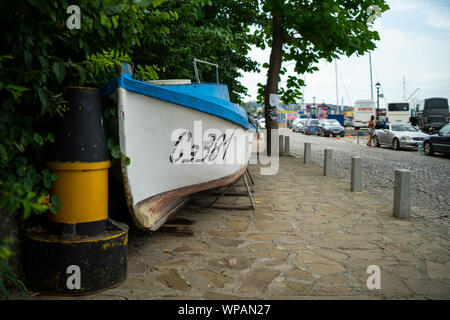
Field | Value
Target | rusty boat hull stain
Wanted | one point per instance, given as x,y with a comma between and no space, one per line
158,209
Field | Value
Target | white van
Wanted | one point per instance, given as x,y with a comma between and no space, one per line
398,112
362,112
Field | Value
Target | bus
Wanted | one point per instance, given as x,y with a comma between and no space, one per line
362,112
398,112
433,114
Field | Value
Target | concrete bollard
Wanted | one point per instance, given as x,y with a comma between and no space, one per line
287,147
307,154
360,134
281,143
357,183
328,169
402,193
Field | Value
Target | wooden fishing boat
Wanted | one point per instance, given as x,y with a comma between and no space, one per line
181,138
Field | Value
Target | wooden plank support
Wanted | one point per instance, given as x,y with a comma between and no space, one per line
249,195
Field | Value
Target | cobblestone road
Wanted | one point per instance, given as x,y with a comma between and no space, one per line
310,237
430,176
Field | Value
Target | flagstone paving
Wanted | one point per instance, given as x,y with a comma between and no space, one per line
310,237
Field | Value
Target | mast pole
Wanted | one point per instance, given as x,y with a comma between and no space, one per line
337,92
371,82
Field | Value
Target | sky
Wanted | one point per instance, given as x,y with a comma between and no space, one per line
414,49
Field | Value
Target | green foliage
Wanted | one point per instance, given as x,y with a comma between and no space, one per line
38,58
314,30
100,67
7,274
114,147
216,31
14,197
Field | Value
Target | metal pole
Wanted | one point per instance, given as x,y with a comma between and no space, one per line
196,71
314,106
208,63
371,82
404,88
337,92
378,104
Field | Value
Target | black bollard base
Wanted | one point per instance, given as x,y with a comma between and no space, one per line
80,266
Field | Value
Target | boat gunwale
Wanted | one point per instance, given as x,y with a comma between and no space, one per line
203,103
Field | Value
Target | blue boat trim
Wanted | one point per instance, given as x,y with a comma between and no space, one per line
207,98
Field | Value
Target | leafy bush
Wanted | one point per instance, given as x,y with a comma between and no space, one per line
14,198
39,57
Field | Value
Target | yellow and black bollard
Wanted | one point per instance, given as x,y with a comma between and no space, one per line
79,250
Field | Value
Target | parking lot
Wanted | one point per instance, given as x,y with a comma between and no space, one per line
430,181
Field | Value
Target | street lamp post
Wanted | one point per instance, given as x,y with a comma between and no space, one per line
378,85
313,111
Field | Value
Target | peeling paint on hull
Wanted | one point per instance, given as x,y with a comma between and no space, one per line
159,208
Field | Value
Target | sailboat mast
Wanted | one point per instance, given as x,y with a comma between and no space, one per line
404,88
371,82
337,92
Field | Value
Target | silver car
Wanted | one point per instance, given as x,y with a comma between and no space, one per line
298,124
398,136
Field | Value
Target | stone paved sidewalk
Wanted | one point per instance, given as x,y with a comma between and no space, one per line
309,238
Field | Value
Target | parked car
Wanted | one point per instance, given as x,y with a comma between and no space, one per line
312,127
297,124
402,135
439,142
302,129
290,120
329,127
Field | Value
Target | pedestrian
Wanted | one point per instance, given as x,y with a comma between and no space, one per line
308,121
371,130
307,124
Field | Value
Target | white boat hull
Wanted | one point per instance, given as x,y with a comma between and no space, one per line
175,151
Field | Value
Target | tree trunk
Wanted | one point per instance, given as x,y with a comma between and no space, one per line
276,56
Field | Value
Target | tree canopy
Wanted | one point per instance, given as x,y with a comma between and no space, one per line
305,31
216,31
